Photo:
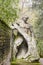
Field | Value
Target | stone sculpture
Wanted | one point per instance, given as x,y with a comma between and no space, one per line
25,43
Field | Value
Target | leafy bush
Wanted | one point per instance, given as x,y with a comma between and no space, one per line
8,12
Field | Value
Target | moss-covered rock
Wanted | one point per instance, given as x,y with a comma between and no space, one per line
4,40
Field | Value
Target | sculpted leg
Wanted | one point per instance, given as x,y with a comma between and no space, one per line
17,42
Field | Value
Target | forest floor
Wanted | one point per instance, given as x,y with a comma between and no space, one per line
21,62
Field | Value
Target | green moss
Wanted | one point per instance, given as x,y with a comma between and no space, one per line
22,62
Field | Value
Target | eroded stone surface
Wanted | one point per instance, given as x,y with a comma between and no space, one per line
24,30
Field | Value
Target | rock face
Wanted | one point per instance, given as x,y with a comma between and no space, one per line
25,43
4,44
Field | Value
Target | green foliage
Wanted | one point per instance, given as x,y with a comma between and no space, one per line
38,26
8,13
40,47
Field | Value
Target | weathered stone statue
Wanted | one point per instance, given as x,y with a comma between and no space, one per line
24,43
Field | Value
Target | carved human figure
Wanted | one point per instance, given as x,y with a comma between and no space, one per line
26,32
